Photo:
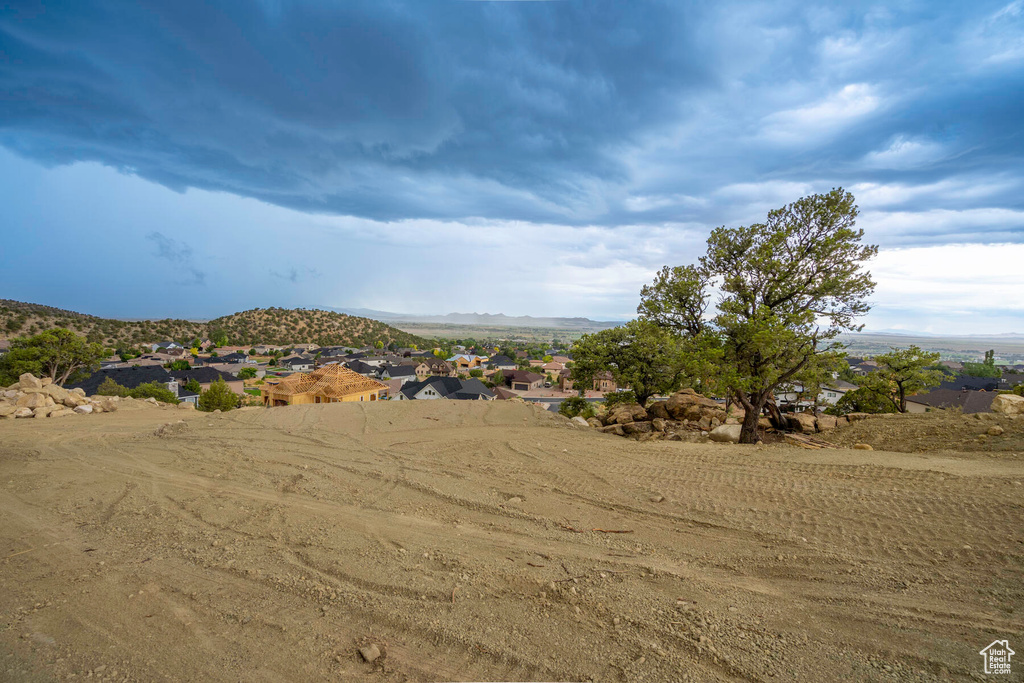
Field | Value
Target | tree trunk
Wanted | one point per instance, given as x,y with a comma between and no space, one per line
748,433
752,407
775,415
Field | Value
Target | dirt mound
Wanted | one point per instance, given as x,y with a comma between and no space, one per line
459,540
979,433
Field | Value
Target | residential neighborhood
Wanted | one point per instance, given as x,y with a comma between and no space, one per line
275,375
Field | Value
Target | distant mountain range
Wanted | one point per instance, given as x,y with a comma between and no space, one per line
483,319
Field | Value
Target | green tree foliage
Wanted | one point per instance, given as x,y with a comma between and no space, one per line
640,355
155,390
498,379
1018,390
988,368
576,406
617,398
218,397
247,373
108,387
789,287
476,372
128,354
178,365
861,400
194,386
59,354
902,373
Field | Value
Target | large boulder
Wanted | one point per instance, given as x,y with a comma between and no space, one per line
689,405
23,412
7,409
658,424
58,393
726,433
83,410
804,423
29,381
659,409
614,429
34,400
594,422
74,400
578,420
826,423
1008,404
627,412
637,428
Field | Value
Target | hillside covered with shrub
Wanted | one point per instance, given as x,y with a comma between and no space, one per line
257,326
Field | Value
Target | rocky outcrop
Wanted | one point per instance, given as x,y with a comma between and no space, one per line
626,413
41,398
659,409
690,406
687,415
804,423
1008,404
661,419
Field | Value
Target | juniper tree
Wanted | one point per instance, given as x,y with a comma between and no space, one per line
787,288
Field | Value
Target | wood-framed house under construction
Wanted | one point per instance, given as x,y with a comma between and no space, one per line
329,384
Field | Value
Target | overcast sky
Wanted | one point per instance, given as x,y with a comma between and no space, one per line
193,159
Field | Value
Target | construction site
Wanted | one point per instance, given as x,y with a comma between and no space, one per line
492,541
328,384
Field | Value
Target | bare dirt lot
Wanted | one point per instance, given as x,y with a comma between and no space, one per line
469,541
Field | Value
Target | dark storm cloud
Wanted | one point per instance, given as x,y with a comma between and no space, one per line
573,112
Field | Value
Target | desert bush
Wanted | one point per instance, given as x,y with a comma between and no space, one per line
576,406
155,390
615,398
109,387
218,397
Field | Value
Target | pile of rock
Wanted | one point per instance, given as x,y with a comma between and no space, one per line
688,416
684,415
31,396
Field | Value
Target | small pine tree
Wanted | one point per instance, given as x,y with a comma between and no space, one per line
109,387
155,390
218,397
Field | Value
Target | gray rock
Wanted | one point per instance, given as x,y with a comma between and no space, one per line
726,433
370,653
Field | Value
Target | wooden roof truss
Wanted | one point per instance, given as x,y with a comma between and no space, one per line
332,381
